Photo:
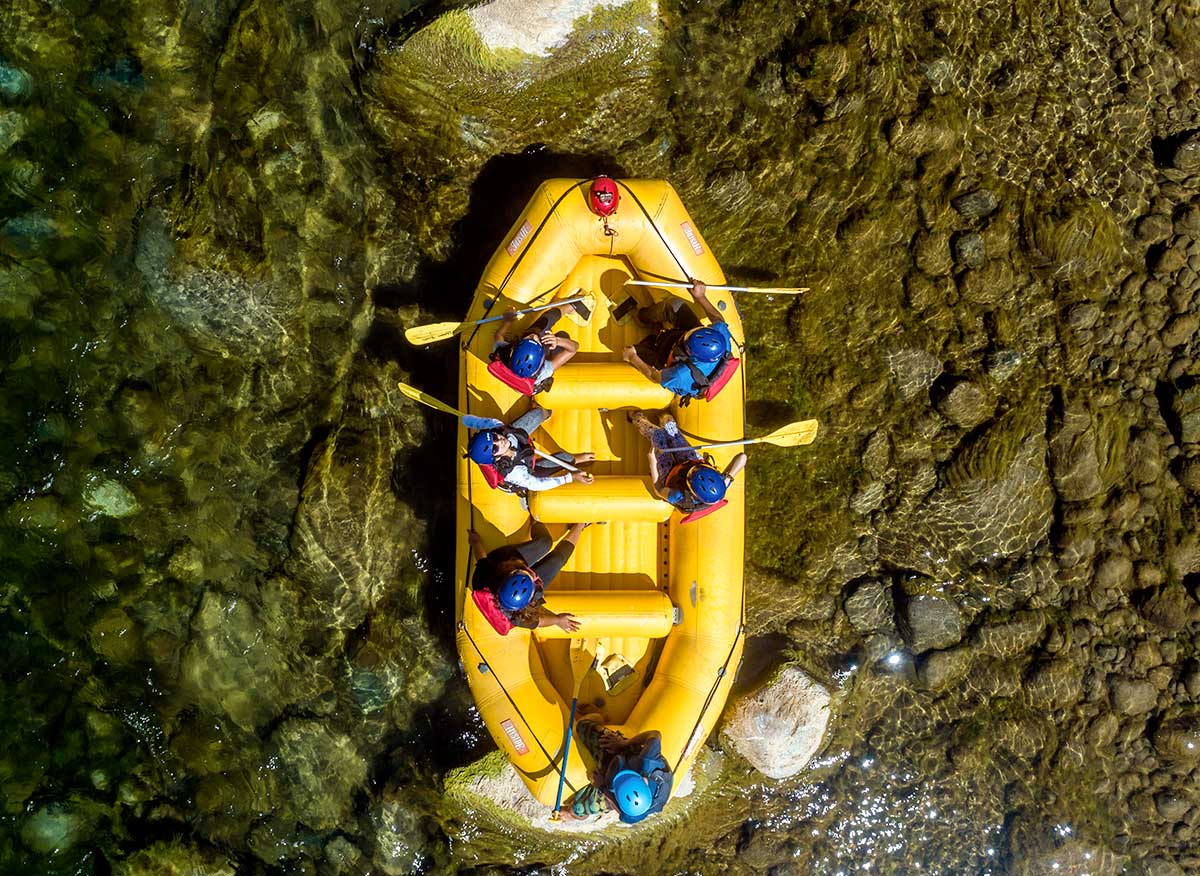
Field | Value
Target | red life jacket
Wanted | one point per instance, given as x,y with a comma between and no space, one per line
485,600
703,512
721,377
508,377
493,477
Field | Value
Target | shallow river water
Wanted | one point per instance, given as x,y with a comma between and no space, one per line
225,620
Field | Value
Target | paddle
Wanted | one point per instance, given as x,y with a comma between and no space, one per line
762,290
579,670
791,435
440,331
429,401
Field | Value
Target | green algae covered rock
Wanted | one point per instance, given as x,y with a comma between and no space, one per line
174,859
321,768
575,76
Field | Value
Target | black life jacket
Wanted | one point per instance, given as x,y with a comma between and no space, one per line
703,385
523,455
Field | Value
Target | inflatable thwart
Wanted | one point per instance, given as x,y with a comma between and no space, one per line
665,596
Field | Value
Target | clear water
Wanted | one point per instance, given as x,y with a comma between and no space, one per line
225,636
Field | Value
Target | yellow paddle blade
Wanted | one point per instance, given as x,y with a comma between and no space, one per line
426,399
419,335
792,435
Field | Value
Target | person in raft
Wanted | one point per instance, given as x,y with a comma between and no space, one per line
680,474
531,360
631,775
509,582
505,454
688,358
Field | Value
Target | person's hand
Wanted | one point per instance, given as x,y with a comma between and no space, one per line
509,315
613,743
582,477
549,340
698,289
629,354
566,622
473,538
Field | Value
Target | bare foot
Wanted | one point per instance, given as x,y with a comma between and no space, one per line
584,457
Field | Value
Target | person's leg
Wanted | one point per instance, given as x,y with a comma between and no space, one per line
538,545
684,317
531,419
660,313
550,565
547,320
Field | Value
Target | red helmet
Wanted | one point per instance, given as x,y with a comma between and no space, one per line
603,196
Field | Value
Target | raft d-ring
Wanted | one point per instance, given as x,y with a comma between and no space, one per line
462,625
483,668
721,305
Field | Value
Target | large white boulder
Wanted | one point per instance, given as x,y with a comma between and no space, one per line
780,727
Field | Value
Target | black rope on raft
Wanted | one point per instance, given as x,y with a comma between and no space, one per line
549,758
525,249
463,626
653,225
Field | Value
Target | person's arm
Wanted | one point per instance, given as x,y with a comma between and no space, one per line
654,473
506,323
565,349
735,465
700,296
473,422
630,355
551,619
522,477
476,544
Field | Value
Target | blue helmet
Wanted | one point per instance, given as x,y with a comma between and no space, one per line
480,448
633,795
516,591
705,344
707,484
527,357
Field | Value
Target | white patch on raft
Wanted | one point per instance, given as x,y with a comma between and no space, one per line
532,26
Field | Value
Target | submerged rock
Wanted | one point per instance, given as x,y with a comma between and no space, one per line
869,607
913,370
995,502
929,622
320,769
233,665
15,85
109,498
781,726
174,859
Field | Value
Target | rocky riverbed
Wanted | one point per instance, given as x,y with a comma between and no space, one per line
225,611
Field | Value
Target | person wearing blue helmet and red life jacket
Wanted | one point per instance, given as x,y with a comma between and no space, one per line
689,358
531,360
509,582
505,454
681,476
631,776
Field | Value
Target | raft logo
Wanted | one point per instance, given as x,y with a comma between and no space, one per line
515,243
514,736
692,238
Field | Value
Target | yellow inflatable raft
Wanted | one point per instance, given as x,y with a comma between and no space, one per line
665,596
